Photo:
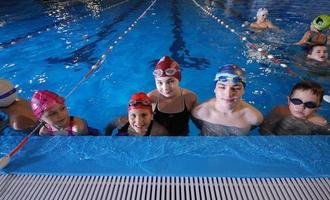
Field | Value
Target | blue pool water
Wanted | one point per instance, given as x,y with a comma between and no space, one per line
52,45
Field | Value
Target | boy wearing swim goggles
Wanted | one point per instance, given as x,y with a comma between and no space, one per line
172,104
139,121
18,110
300,116
227,113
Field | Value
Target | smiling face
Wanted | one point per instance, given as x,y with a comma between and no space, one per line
301,111
262,18
57,116
319,53
229,94
139,120
167,86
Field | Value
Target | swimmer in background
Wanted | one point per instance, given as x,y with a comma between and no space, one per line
227,114
318,53
262,21
49,108
315,35
139,121
18,110
300,116
171,103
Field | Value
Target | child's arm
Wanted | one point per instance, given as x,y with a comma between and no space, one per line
79,126
117,123
304,39
272,26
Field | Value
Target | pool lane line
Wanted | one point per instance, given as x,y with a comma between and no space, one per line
108,51
244,39
5,159
326,98
47,28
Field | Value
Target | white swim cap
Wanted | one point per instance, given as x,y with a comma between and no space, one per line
262,11
7,93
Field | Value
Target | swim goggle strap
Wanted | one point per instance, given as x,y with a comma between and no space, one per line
7,94
167,72
139,104
308,104
224,77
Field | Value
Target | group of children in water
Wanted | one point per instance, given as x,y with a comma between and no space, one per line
166,111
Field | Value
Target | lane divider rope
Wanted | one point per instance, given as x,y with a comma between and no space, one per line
6,159
107,52
326,98
48,28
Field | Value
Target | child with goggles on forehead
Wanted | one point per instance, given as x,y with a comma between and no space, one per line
262,21
300,116
139,121
227,114
49,108
17,110
172,104
315,35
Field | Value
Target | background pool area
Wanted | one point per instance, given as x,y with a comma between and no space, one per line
52,45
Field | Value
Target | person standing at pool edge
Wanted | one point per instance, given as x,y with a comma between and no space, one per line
227,114
171,103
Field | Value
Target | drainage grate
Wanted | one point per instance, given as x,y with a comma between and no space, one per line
33,187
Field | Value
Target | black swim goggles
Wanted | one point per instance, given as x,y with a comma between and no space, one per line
308,104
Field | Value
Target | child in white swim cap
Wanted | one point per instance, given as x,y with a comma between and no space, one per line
18,110
262,21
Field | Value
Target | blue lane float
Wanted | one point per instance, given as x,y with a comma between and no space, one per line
253,156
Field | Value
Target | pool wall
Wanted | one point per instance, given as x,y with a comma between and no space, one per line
253,156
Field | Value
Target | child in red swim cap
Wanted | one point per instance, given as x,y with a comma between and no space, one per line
172,104
50,109
139,121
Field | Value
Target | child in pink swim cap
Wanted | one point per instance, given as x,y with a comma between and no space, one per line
50,109
172,104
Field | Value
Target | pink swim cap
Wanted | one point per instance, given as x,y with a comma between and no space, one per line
167,67
43,100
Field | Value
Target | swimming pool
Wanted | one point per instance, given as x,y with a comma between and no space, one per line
52,45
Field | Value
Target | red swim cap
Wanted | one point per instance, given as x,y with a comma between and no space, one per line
167,67
43,100
139,101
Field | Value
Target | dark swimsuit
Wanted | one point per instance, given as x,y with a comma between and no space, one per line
68,129
124,130
316,38
177,124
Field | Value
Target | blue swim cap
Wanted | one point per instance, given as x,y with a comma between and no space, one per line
230,72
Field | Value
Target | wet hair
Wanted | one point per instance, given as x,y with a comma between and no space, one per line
311,47
309,85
